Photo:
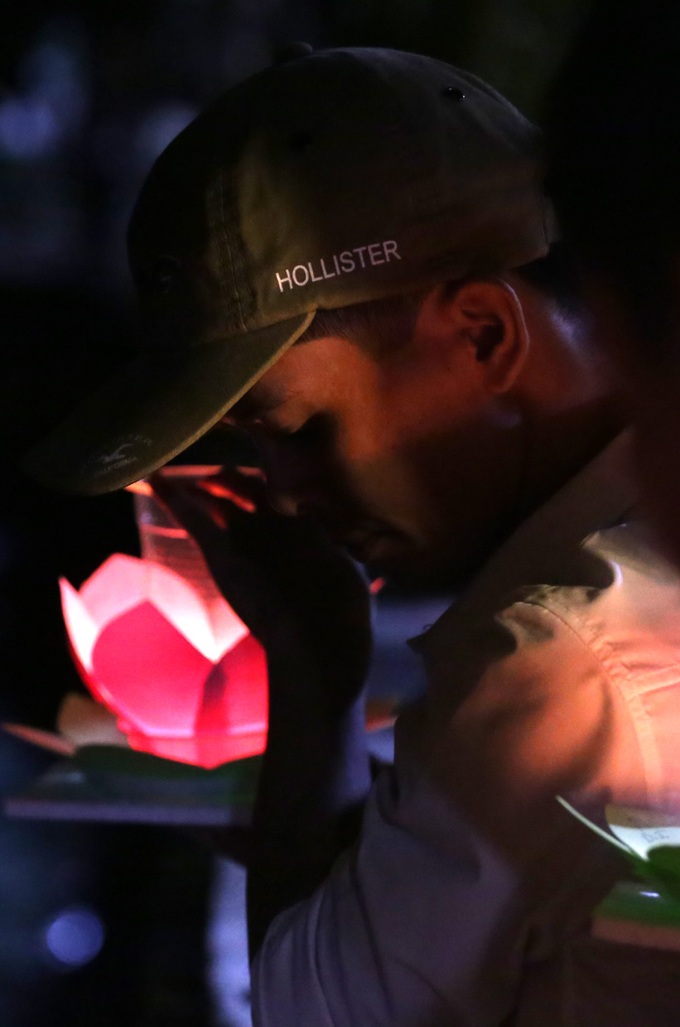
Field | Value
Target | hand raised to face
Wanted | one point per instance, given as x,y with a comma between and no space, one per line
301,596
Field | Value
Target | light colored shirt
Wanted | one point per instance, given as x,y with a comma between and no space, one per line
467,900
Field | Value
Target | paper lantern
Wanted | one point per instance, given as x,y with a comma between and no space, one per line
166,653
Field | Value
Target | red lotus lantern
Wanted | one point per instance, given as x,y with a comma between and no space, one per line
158,645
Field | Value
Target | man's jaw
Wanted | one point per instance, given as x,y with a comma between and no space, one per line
365,538
383,549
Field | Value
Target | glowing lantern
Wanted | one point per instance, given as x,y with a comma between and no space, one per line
165,652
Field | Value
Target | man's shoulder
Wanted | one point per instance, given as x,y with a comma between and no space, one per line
615,587
572,683
610,600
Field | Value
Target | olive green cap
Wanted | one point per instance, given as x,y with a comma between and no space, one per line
333,178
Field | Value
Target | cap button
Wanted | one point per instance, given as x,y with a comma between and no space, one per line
453,92
291,52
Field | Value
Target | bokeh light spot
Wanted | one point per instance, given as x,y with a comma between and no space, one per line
74,937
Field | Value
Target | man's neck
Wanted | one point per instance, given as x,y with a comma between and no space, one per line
557,446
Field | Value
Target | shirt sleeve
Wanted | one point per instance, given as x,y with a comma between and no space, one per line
392,930
467,871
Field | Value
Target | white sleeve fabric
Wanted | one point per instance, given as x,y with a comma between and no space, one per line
400,934
469,877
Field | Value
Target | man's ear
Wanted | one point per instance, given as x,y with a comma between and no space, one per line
487,323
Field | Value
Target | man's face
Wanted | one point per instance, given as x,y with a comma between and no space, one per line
405,461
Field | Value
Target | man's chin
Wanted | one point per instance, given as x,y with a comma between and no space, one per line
379,549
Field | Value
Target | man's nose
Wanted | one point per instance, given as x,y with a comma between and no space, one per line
281,502
289,479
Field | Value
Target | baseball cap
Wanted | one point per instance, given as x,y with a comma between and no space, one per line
329,179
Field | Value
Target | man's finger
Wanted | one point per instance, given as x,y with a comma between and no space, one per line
193,508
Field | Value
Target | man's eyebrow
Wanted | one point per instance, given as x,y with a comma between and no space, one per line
244,407
249,407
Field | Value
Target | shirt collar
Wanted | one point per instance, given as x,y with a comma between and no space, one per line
601,495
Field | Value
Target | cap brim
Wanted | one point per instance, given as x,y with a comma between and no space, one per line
154,407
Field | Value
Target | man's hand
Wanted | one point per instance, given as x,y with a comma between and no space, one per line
302,598
309,606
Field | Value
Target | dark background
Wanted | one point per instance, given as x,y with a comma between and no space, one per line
90,92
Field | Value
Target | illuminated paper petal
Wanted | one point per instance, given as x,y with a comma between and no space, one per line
183,674
123,581
233,698
150,672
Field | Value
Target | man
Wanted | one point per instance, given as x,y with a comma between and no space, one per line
613,138
348,258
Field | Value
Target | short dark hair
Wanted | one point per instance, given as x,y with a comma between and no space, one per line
393,318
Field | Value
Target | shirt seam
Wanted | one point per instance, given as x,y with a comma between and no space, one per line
632,700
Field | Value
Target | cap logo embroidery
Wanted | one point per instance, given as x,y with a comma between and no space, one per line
124,454
343,263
